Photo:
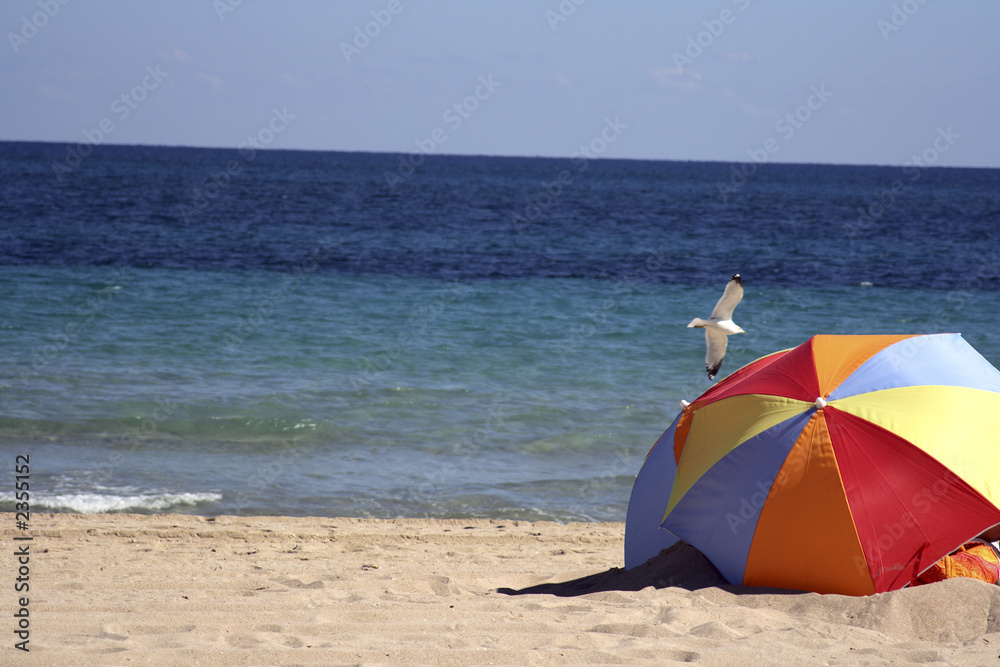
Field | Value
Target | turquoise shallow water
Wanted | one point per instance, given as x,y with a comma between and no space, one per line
365,355
522,398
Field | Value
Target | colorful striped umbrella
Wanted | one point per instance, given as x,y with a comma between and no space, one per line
848,464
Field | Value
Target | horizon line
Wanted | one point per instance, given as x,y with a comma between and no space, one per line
489,155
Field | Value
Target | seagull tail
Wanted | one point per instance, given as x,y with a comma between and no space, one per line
697,322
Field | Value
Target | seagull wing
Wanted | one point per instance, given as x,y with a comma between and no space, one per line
730,298
715,344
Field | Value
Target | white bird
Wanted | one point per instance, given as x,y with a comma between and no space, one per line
720,325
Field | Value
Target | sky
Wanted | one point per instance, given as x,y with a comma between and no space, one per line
849,82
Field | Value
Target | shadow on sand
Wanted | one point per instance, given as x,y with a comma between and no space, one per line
680,566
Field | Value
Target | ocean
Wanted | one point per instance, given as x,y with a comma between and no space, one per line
214,331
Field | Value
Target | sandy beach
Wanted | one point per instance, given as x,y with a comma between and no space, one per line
118,589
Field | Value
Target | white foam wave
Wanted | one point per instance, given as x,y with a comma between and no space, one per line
96,503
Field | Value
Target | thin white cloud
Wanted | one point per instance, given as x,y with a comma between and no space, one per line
676,78
294,81
757,110
213,81
174,56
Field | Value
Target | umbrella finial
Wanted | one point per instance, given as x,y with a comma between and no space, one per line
684,403
820,403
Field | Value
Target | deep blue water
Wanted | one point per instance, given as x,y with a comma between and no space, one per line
288,332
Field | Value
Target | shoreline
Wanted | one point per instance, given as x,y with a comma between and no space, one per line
116,589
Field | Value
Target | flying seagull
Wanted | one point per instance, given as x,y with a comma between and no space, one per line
719,325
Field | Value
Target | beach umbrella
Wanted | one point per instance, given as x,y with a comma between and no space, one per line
848,464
